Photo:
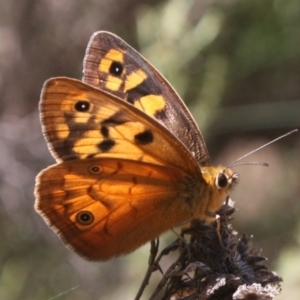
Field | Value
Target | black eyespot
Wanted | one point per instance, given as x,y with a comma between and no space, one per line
221,181
116,68
144,138
85,218
82,106
94,169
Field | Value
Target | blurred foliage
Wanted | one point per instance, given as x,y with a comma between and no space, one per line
237,65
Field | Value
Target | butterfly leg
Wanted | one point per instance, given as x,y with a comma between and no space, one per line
227,203
218,221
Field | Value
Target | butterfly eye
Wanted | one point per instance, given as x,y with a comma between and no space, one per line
116,68
85,218
82,106
95,169
221,181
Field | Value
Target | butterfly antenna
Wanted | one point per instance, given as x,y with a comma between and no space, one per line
258,163
257,149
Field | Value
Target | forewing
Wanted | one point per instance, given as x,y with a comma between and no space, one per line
112,65
81,122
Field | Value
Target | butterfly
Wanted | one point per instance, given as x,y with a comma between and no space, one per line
131,162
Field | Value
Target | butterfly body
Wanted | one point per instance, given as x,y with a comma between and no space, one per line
131,162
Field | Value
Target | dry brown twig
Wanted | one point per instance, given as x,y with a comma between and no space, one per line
210,269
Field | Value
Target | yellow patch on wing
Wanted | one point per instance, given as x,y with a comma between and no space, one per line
85,146
62,131
134,79
113,83
151,104
127,131
104,65
115,55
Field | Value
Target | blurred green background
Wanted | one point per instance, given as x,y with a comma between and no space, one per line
236,64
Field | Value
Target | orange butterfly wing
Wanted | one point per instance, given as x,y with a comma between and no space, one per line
80,121
120,171
106,207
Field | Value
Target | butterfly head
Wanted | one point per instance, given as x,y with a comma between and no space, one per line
219,178
226,179
219,182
